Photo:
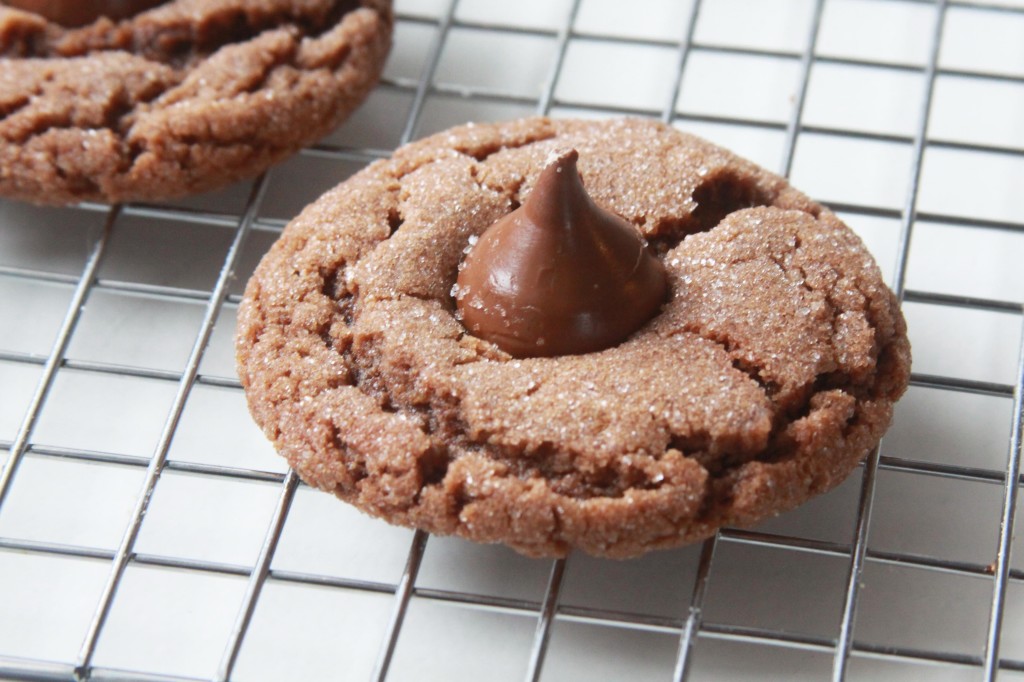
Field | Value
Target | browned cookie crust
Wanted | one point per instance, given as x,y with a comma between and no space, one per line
764,380
186,97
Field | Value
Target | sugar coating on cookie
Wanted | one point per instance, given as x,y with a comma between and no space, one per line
185,97
765,378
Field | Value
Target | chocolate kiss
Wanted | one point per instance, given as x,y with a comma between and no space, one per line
82,12
559,275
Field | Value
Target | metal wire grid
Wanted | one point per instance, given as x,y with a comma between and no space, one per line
690,627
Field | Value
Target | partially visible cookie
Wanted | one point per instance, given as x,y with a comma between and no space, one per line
767,375
181,98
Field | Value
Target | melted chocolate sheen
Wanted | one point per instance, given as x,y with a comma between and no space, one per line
559,275
82,12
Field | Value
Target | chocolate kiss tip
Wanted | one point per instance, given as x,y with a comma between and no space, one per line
563,158
559,275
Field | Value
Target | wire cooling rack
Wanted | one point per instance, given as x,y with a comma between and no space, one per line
148,532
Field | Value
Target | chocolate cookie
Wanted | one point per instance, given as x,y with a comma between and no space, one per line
184,97
767,374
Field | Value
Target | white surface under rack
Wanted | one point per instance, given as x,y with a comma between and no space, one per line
149,532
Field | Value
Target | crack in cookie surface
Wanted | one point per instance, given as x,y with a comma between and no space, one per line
715,412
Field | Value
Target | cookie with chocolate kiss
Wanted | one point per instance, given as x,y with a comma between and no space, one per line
142,100
766,372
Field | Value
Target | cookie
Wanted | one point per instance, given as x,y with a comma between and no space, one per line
767,373
184,97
